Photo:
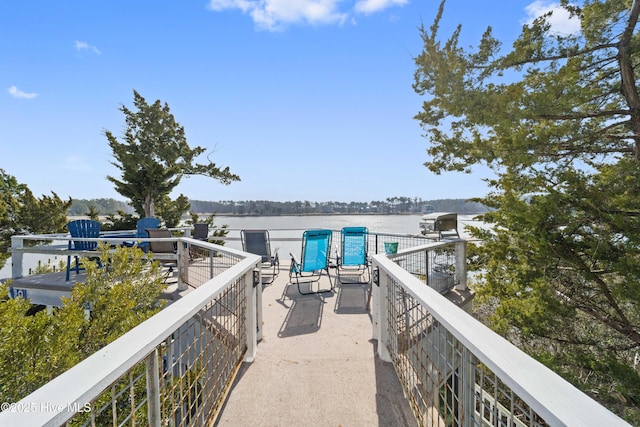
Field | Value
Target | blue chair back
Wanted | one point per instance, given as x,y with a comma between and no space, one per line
84,228
144,223
354,246
315,250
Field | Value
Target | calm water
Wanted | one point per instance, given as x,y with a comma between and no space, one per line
407,224
285,231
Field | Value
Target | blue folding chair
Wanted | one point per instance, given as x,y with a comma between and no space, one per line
316,246
141,230
353,260
84,228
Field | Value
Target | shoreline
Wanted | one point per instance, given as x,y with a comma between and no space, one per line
311,214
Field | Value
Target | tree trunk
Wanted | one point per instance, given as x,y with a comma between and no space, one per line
149,206
629,89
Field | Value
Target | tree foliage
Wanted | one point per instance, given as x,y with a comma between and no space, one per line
214,231
557,119
103,206
22,213
154,156
37,346
172,210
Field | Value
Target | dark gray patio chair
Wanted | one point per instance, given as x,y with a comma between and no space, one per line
201,232
257,242
163,247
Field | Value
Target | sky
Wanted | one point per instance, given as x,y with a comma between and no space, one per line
303,99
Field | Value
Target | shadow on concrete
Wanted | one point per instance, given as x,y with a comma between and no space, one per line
392,406
304,315
352,298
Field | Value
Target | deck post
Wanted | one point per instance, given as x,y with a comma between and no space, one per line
183,266
467,385
17,244
251,322
153,389
383,310
461,265
375,302
258,288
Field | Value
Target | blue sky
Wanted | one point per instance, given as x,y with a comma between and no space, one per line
304,99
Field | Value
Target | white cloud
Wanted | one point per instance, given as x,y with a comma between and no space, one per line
373,6
559,19
17,93
275,15
86,46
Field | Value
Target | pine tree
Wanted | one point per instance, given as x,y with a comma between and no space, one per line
557,119
154,156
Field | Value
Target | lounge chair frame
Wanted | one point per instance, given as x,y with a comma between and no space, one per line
316,248
201,231
258,242
163,247
353,258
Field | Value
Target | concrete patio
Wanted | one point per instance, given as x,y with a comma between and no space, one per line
316,364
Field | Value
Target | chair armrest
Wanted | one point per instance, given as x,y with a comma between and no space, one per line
294,259
295,265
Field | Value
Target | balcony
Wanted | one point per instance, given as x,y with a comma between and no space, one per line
230,351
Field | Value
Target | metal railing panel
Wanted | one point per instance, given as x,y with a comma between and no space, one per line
204,261
457,372
435,264
173,369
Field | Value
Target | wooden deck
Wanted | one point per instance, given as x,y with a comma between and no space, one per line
49,288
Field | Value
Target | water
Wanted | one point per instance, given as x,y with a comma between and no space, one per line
290,228
285,232
405,224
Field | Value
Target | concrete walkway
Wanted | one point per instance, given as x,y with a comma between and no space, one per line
316,365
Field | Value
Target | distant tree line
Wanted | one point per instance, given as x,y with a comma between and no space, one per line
392,205
102,206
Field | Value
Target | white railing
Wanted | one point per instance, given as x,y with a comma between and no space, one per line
173,369
457,372
454,370
57,245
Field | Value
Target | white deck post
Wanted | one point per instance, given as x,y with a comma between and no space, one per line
183,266
153,389
16,256
259,305
461,265
383,308
375,303
251,317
